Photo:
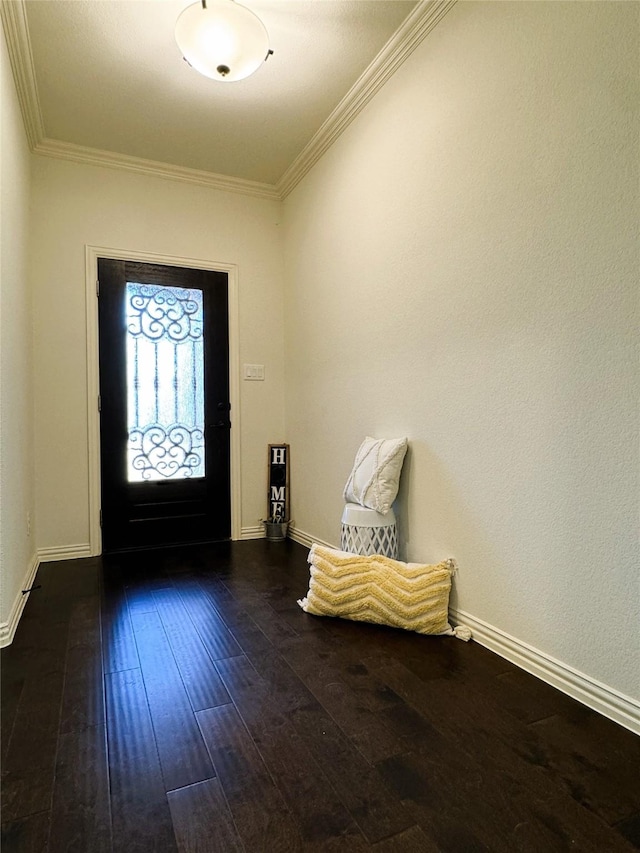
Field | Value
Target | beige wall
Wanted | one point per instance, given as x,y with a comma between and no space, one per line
17,549
462,269
77,205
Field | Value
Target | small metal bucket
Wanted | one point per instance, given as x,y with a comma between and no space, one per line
276,530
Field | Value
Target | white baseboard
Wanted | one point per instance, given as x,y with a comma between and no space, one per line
306,539
293,532
63,552
8,629
256,532
600,697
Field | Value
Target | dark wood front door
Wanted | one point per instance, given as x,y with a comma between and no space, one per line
164,405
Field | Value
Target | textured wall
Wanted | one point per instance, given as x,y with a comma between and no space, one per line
77,205
16,416
461,268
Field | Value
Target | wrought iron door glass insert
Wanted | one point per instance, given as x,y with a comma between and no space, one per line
165,382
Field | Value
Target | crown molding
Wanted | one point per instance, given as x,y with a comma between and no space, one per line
97,157
16,29
411,33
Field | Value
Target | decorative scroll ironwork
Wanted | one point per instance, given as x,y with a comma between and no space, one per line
163,312
175,452
165,382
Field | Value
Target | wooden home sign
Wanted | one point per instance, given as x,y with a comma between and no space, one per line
278,476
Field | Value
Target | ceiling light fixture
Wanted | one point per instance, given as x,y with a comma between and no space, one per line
222,39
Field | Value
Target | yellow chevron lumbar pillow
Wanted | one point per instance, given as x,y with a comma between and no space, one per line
412,596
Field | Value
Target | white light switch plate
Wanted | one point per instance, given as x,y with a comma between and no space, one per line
254,371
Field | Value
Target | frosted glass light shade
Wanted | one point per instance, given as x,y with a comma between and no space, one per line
224,41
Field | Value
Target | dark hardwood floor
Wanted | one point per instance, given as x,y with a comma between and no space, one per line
180,700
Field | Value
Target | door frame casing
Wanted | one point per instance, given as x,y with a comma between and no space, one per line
92,253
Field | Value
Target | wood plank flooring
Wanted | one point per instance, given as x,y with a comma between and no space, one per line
179,700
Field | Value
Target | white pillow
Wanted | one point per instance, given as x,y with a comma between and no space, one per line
376,473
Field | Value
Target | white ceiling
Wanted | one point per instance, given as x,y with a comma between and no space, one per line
109,76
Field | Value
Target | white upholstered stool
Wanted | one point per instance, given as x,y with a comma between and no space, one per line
367,532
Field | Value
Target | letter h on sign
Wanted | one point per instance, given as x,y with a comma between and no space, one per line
278,455
278,475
